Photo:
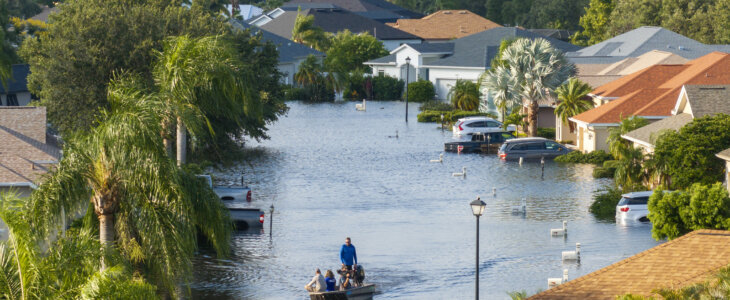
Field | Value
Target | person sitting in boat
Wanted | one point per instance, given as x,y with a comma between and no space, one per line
345,281
329,279
348,256
317,284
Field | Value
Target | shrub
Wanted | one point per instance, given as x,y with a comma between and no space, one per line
601,172
465,95
604,203
354,87
294,93
449,116
673,214
548,133
436,105
595,157
421,91
387,88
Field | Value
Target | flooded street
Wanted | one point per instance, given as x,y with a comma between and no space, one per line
332,172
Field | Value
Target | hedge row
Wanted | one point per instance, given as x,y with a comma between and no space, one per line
595,157
449,116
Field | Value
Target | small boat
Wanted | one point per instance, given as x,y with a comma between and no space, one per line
364,292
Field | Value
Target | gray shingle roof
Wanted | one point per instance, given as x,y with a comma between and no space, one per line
640,41
384,60
335,20
289,51
725,154
433,47
477,50
649,133
708,99
19,80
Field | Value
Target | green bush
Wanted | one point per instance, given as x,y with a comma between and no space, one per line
354,87
548,133
294,93
449,116
387,88
595,157
604,203
673,214
611,164
436,105
601,172
421,91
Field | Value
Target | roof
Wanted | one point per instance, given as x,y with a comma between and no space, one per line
653,92
648,134
477,50
445,25
559,34
18,81
433,47
45,12
289,51
335,20
634,64
689,259
374,9
725,154
24,153
644,39
247,11
708,99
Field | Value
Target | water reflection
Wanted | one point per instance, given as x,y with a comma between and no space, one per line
332,172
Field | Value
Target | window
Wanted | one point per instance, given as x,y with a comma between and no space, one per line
507,136
519,147
634,201
477,124
536,146
552,146
12,100
493,124
381,73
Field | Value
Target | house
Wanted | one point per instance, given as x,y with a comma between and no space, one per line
725,155
334,20
378,10
635,43
246,11
558,34
26,152
445,25
650,93
692,258
694,101
15,92
631,65
291,54
464,58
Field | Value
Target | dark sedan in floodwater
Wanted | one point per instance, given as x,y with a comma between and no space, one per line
531,148
480,142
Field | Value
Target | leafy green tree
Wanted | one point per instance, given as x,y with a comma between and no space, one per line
572,96
465,95
305,32
150,212
700,207
311,76
88,41
515,118
347,52
494,11
689,155
421,91
558,14
594,22
616,144
536,69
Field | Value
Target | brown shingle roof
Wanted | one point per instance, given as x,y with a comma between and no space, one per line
445,25
24,154
657,88
689,259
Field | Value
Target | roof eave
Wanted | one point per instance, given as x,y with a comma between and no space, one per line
638,141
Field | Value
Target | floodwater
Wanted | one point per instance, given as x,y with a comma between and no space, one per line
332,172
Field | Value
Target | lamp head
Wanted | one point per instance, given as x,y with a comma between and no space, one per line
408,60
477,207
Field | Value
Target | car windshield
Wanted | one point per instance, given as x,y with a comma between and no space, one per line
634,201
501,148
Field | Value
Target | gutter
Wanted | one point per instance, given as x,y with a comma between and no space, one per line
640,142
18,184
454,67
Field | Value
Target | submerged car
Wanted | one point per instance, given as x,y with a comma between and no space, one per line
480,142
472,125
633,207
531,148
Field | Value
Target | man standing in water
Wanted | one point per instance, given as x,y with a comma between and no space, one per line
348,255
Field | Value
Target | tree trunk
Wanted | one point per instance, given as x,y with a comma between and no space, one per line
181,142
532,118
166,138
106,233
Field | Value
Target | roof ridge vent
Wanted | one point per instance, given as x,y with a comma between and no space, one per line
447,12
463,12
681,48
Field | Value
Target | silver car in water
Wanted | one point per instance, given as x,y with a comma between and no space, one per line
531,148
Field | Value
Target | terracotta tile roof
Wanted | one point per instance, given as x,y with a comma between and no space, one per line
690,259
445,25
658,88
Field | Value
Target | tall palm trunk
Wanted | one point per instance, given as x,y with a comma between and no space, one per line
532,109
181,142
166,138
105,206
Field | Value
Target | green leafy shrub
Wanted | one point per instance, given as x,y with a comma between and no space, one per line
294,93
387,88
548,133
596,157
449,116
436,105
601,172
465,95
421,91
604,203
673,214
354,87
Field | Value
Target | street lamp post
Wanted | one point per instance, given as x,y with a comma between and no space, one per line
442,122
477,207
408,71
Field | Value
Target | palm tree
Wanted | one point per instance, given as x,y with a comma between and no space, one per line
572,100
536,69
66,270
465,95
193,72
618,145
147,207
305,32
498,82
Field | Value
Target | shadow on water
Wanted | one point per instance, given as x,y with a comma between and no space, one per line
332,172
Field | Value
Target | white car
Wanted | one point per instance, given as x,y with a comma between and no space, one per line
472,125
633,207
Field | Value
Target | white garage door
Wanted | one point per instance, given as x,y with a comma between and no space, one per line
443,86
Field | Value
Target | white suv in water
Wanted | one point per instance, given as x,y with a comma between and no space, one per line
472,125
633,207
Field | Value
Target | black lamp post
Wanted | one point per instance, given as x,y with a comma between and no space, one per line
477,207
408,71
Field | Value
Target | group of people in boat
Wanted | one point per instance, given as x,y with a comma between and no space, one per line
351,275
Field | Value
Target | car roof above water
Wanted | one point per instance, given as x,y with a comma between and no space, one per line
526,139
480,118
638,194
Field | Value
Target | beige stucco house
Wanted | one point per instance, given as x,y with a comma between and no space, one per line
725,156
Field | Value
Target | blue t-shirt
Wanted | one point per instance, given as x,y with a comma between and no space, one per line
330,283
